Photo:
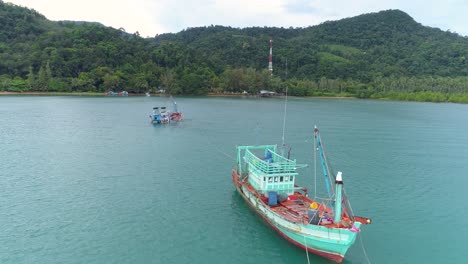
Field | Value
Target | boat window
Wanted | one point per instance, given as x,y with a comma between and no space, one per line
281,178
286,179
270,179
276,179
264,178
291,178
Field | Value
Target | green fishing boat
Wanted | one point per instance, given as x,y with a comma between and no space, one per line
323,226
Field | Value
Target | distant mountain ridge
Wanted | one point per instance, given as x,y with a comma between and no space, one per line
362,50
390,36
81,22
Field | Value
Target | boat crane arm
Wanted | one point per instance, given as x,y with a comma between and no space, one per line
322,159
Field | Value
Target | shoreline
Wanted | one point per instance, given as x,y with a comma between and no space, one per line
52,93
69,94
4,93
100,94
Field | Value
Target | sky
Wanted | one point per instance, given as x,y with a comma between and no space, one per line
152,17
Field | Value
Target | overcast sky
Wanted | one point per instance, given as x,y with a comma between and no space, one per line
151,17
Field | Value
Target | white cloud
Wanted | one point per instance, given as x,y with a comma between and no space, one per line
151,17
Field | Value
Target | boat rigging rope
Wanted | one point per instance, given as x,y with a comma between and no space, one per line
331,173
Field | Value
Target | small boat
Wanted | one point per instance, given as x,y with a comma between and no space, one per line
112,93
323,226
147,94
160,116
175,115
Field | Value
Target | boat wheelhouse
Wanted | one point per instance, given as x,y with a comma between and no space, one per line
160,116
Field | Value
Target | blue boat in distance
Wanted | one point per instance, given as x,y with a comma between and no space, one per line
160,116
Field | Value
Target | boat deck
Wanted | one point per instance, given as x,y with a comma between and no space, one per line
295,209
292,211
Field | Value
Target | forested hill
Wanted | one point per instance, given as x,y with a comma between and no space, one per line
366,55
388,43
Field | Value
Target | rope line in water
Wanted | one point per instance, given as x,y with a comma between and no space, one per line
222,152
307,252
216,148
363,249
360,236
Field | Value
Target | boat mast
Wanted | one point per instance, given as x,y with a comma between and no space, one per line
174,103
323,161
339,186
285,111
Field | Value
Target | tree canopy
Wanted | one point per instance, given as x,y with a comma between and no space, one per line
380,54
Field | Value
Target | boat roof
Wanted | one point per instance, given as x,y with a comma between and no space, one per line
273,164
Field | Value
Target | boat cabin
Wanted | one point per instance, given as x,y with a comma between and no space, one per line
155,110
160,116
268,171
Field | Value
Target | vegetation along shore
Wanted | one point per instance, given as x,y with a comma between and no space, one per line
384,55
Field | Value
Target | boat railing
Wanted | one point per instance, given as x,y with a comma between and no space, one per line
278,158
302,190
279,164
272,171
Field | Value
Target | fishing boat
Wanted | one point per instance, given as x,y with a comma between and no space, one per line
160,116
175,114
266,180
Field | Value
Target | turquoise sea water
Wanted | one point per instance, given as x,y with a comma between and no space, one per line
89,180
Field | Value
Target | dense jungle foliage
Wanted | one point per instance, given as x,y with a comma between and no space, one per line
377,55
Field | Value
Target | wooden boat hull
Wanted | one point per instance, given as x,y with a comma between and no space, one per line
176,116
331,243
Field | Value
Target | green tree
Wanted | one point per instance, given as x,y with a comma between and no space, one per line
168,82
18,85
110,82
44,77
31,79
